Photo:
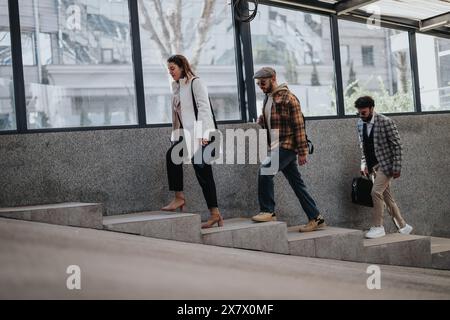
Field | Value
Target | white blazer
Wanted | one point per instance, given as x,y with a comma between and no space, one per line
196,129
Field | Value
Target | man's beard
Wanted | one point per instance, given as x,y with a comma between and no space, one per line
269,88
368,118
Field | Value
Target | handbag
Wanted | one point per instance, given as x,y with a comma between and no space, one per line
361,191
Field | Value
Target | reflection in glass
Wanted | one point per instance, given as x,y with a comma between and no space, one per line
77,63
378,65
202,30
298,46
433,55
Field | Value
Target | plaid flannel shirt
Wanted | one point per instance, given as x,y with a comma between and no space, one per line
386,139
286,116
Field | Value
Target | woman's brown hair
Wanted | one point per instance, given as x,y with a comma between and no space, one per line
183,64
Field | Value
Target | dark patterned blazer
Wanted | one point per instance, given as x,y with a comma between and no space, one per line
388,147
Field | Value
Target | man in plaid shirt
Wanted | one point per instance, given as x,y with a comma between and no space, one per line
282,117
381,156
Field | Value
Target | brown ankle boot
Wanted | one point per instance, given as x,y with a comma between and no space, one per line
177,203
215,218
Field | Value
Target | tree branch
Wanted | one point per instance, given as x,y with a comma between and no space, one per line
147,25
162,20
202,30
175,19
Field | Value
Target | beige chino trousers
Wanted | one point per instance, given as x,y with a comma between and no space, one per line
381,195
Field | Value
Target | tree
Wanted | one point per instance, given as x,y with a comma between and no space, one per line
402,68
167,30
315,76
291,68
352,82
400,63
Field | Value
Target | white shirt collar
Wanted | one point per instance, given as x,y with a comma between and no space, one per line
372,121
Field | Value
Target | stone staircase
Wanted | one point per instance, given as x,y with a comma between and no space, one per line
329,243
245,234
275,237
440,253
75,214
157,224
399,249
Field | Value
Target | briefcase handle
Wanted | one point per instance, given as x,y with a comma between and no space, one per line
370,176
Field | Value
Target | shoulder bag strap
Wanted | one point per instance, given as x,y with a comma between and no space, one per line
309,142
194,103
179,119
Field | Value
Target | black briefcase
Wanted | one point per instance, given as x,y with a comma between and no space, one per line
361,191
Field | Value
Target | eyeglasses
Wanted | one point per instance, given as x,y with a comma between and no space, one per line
260,83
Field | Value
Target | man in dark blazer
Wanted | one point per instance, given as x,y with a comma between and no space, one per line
381,156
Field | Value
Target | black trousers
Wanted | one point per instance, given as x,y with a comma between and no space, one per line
203,172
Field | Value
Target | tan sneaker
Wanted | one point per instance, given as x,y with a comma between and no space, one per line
264,217
313,224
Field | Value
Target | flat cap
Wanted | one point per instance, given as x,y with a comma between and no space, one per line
264,72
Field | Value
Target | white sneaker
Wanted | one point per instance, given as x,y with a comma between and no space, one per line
406,229
375,232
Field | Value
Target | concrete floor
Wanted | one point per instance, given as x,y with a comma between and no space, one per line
34,258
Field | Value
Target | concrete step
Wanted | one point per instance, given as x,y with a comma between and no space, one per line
399,249
329,242
77,214
440,253
246,234
157,224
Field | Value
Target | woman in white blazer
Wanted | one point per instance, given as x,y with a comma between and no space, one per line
193,126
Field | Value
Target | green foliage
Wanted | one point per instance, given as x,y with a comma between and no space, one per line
384,101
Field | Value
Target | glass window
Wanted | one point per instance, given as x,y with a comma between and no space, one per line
433,55
7,110
77,63
345,55
201,30
298,46
367,55
379,66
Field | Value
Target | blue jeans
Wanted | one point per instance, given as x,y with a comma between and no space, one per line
288,165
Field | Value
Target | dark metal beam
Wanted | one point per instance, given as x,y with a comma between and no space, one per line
353,15
137,62
385,21
245,65
248,67
239,65
307,5
440,33
340,101
349,5
17,66
414,70
435,22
